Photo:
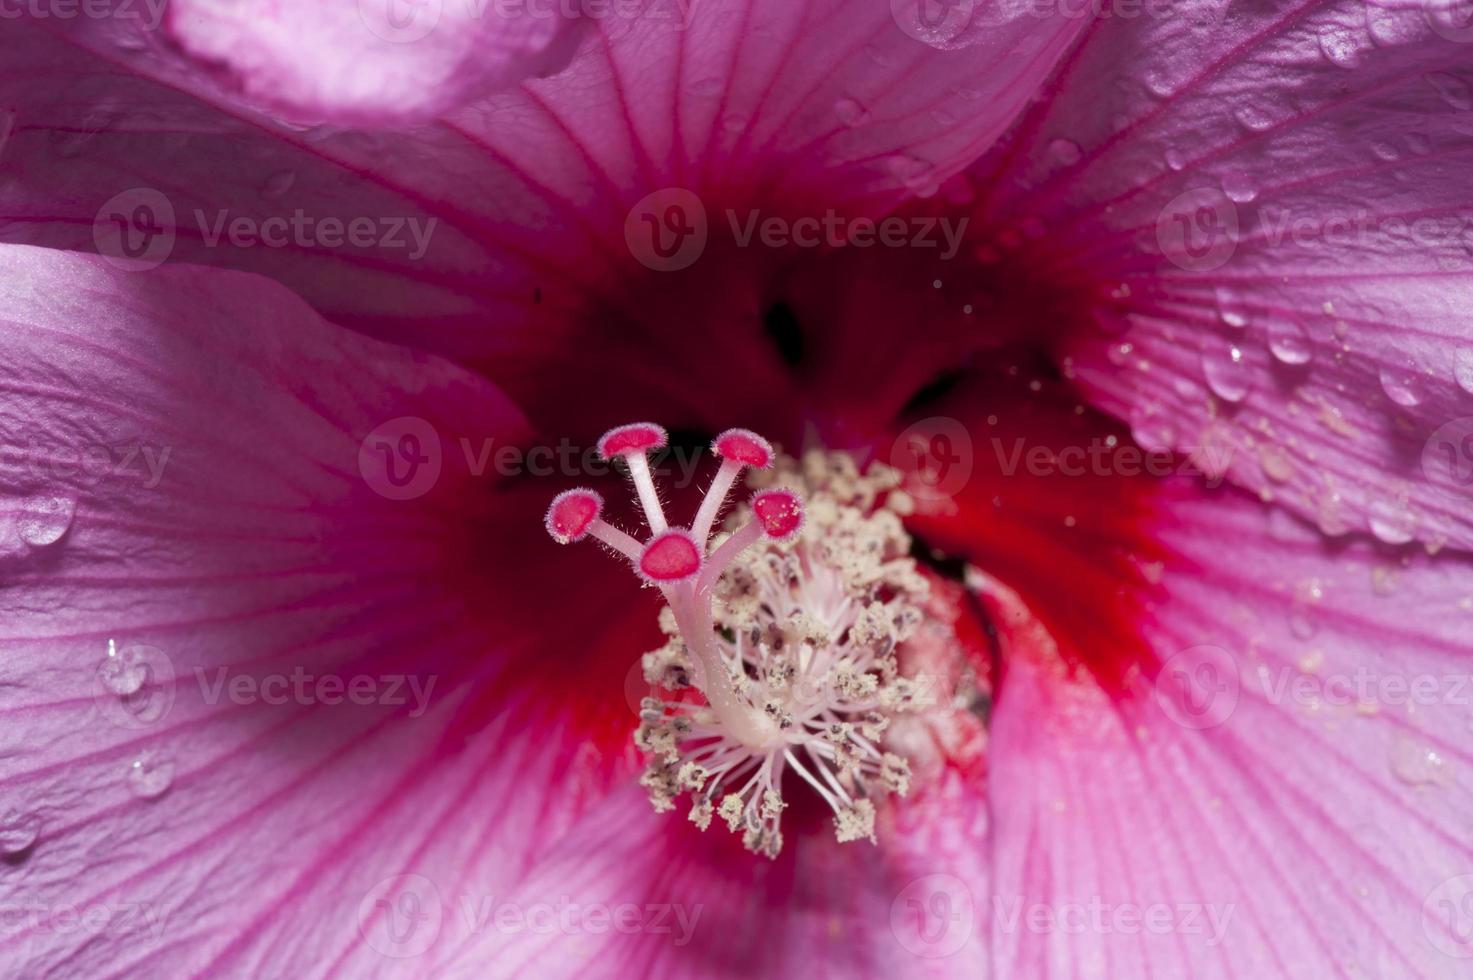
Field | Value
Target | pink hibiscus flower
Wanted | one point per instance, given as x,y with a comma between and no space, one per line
1122,368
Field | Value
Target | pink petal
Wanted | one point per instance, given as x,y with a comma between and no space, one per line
192,475
1347,401
698,905
765,107
361,62
1304,800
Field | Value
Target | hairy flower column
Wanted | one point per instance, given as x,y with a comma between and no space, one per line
674,559
800,659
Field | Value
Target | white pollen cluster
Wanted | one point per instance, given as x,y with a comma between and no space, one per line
806,631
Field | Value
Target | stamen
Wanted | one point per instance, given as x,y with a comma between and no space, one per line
670,556
738,449
789,635
633,442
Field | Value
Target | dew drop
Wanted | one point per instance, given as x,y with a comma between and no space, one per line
1230,309
1463,369
1152,430
1385,150
279,183
1175,159
1253,117
1239,187
1289,341
149,777
18,831
1065,151
1417,764
1453,90
123,671
1226,373
1157,83
1330,516
850,112
1391,521
914,173
1338,45
1400,386
708,87
43,520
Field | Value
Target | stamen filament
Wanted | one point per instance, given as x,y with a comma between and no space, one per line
639,471
623,543
715,497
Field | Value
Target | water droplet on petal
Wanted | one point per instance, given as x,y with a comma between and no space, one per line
1384,150
279,183
1239,187
1454,90
1152,430
149,777
1175,159
1065,151
43,520
1417,764
1253,117
917,175
1230,309
1303,622
1289,341
1339,46
1401,386
1330,516
1157,83
1463,369
850,112
123,671
1226,372
708,87
1391,521
18,831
